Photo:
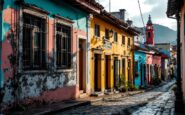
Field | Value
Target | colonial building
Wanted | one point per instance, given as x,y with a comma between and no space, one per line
155,67
149,60
111,57
140,77
42,44
165,49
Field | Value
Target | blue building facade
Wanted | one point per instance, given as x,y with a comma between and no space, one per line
140,79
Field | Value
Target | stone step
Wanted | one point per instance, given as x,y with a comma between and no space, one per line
83,95
97,94
81,91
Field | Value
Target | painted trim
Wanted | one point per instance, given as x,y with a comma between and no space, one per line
20,41
82,37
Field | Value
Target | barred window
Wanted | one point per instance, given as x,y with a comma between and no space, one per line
63,46
97,30
115,37
129,42
34,42
123,40
106,33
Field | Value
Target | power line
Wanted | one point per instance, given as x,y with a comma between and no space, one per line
142,19
141,13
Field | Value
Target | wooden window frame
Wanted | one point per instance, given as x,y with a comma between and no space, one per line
33,13
97,30
107,34
115,37
123,41
129,42
66,23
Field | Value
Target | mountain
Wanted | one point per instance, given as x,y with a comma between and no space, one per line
164,34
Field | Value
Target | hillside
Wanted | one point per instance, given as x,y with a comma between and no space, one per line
164,34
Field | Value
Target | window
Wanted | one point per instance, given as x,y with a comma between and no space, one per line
148,34
63,46
136,66
97,30
34,42
123,66
115,37
123,40
129,42
106,33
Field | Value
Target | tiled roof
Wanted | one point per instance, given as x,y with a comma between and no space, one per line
173,7
119,23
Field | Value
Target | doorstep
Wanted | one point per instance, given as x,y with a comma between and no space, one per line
97,94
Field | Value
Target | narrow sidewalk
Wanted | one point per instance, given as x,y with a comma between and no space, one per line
70,104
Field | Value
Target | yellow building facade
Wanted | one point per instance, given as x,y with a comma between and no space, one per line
111,55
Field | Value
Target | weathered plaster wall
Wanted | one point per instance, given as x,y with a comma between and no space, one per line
5,27
182,40
50,84
34,85
141,58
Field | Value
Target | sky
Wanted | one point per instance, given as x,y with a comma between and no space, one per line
156,8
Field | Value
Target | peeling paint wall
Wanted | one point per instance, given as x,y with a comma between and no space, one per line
1,39
50,84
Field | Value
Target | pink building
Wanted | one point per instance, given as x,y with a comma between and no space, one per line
149,60
40,45
182,41
176,10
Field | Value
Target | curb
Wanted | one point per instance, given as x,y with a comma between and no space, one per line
63,109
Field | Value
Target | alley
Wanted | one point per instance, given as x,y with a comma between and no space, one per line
120,105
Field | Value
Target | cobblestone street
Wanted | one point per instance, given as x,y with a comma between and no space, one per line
149,103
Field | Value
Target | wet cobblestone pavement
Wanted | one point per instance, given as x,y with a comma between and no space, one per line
158,101
162,105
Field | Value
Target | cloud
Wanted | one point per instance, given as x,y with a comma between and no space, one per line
157,9
150,2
